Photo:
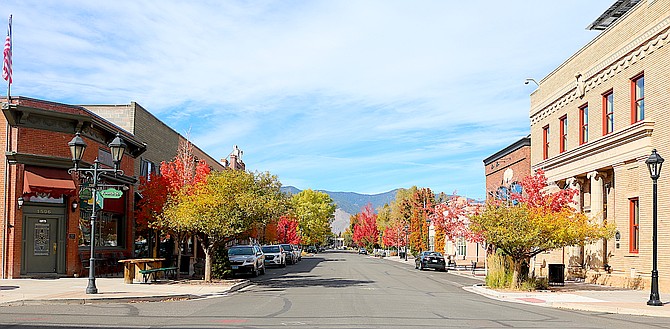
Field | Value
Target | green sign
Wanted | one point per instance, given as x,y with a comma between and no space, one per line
110,193
85,194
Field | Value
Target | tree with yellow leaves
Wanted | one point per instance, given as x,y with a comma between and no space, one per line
540,221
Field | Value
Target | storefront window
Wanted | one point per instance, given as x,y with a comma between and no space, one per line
108,229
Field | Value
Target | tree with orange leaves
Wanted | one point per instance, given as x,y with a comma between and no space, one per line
421,205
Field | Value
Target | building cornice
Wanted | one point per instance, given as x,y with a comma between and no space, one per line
637,141
642,46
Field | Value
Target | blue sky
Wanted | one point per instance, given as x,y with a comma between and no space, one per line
361,96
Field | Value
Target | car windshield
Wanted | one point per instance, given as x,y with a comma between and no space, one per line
270,249
287,247
434,254
241,251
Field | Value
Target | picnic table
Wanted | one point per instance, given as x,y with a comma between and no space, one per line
132,268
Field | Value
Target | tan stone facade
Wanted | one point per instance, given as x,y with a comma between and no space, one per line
606,165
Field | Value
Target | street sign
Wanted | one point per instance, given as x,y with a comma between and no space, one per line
85,194
111,193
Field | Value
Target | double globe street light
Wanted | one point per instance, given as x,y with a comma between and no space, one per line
77,147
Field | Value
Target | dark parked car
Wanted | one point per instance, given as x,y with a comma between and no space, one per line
430,259
246,259
363,251
290,255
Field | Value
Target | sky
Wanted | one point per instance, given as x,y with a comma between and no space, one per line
354,96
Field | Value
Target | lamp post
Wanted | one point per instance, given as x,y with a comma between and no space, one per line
428,234
654,163
77,148
285,233
406,230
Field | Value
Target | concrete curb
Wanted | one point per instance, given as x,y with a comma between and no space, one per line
601,306
129,299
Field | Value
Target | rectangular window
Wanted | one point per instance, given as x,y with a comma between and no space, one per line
584,124
545,142
147,169
608,112
564,133
461,247
634,225
637,98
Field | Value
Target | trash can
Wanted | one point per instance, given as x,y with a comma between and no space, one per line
556,274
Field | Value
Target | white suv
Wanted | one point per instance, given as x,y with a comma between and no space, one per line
274,255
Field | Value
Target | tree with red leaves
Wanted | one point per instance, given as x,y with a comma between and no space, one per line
543,219
451,218
287,230
183,174
365,228
394,235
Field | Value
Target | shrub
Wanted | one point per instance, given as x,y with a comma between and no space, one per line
499,274
220,264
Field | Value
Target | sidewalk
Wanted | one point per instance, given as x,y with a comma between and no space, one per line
73,291
572,296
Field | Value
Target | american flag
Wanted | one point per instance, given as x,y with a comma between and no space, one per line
7,52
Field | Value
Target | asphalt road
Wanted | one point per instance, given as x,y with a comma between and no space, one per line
330,290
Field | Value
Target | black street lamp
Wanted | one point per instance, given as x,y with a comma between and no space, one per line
77,148
654,163
406,230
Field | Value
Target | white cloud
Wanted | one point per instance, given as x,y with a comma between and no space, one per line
339,95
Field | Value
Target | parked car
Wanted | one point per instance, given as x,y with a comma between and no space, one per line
288,253
311,250
246,259
362,251
297,250
275,255
430,259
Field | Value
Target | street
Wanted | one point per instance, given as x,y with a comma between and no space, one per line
329,290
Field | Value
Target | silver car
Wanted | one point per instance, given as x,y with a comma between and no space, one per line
246,259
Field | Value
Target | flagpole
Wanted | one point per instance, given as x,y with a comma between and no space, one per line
11,45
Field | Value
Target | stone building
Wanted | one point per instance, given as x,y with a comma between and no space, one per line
594,121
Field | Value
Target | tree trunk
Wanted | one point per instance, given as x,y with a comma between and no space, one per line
516,266
520,273
208,262
182,241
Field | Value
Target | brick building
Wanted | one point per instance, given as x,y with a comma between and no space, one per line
45,225
506,168
163,144
594,121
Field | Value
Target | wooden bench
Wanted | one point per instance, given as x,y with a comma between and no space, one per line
151,274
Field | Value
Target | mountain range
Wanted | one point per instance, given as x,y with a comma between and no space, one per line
349,203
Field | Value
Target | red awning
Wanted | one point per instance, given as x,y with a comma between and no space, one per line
47,180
